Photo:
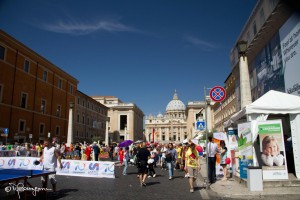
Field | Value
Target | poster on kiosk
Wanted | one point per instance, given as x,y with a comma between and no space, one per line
245,148
272,150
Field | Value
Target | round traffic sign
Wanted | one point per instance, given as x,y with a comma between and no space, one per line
217,93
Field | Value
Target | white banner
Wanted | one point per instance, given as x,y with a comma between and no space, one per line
290,50
97,169
19,163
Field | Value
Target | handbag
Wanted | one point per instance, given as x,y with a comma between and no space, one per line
227,161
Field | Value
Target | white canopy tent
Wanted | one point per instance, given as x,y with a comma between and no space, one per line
274,102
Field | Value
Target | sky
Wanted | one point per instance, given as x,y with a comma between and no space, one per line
140,51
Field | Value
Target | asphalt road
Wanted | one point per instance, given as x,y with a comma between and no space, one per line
122,187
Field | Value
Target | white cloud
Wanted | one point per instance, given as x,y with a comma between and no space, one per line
84,28
200,43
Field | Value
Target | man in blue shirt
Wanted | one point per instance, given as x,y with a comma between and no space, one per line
171,156
96,151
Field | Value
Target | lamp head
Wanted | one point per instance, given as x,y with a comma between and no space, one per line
242,46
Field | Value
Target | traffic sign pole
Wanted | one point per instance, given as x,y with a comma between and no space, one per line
206,129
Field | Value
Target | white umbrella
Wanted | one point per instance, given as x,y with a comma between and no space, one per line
138,141
195,141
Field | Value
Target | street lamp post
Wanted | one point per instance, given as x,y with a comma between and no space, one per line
244,75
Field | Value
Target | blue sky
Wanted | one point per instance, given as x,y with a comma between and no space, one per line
137,50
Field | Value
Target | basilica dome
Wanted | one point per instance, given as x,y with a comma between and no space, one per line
160,115
175,104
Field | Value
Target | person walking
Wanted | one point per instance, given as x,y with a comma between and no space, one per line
63,150
151,162
111,152
121,155
223,157
49,159
212,150
39,149
96,151
192,165
183,159
163,156
142,157
171,156
126,159
88,152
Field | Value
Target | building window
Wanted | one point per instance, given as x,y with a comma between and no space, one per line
1,93
24,100
43,106
58,111
123,122
22,124
78,118
254,28
57,130
82,103
78,100
2,52
174,137
83,119
77,134
262,16
45,75
71,89
42,129
59,84
163,138
26,66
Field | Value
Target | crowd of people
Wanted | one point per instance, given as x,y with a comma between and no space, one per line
146,156
183,156
76,151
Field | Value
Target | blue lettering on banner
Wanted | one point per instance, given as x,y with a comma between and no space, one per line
24,162
93,169
12,162
92,166
79,168
65,165
109,169
2,162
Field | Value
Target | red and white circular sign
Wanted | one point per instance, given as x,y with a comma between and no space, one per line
217,93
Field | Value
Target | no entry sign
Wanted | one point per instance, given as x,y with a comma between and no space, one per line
217,93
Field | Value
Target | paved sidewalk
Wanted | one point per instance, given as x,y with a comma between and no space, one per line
232,188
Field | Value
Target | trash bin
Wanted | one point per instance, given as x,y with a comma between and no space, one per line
254,178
